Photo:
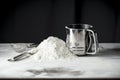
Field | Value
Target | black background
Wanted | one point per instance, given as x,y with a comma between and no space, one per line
34,20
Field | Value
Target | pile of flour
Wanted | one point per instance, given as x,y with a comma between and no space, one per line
52,48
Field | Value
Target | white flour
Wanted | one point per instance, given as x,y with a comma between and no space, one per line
52,48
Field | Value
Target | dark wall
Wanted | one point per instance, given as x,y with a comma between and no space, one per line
35,20
101,14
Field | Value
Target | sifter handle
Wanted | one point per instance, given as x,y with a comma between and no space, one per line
94,40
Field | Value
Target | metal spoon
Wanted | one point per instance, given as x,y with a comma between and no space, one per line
21,56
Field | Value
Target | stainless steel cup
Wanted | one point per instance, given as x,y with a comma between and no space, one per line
81,39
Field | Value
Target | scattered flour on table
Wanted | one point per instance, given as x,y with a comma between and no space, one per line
52,48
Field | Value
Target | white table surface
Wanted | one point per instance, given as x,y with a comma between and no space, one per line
105,64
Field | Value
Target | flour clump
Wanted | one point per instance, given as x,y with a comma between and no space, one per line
52,48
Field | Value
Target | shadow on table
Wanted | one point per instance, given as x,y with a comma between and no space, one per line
108,52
